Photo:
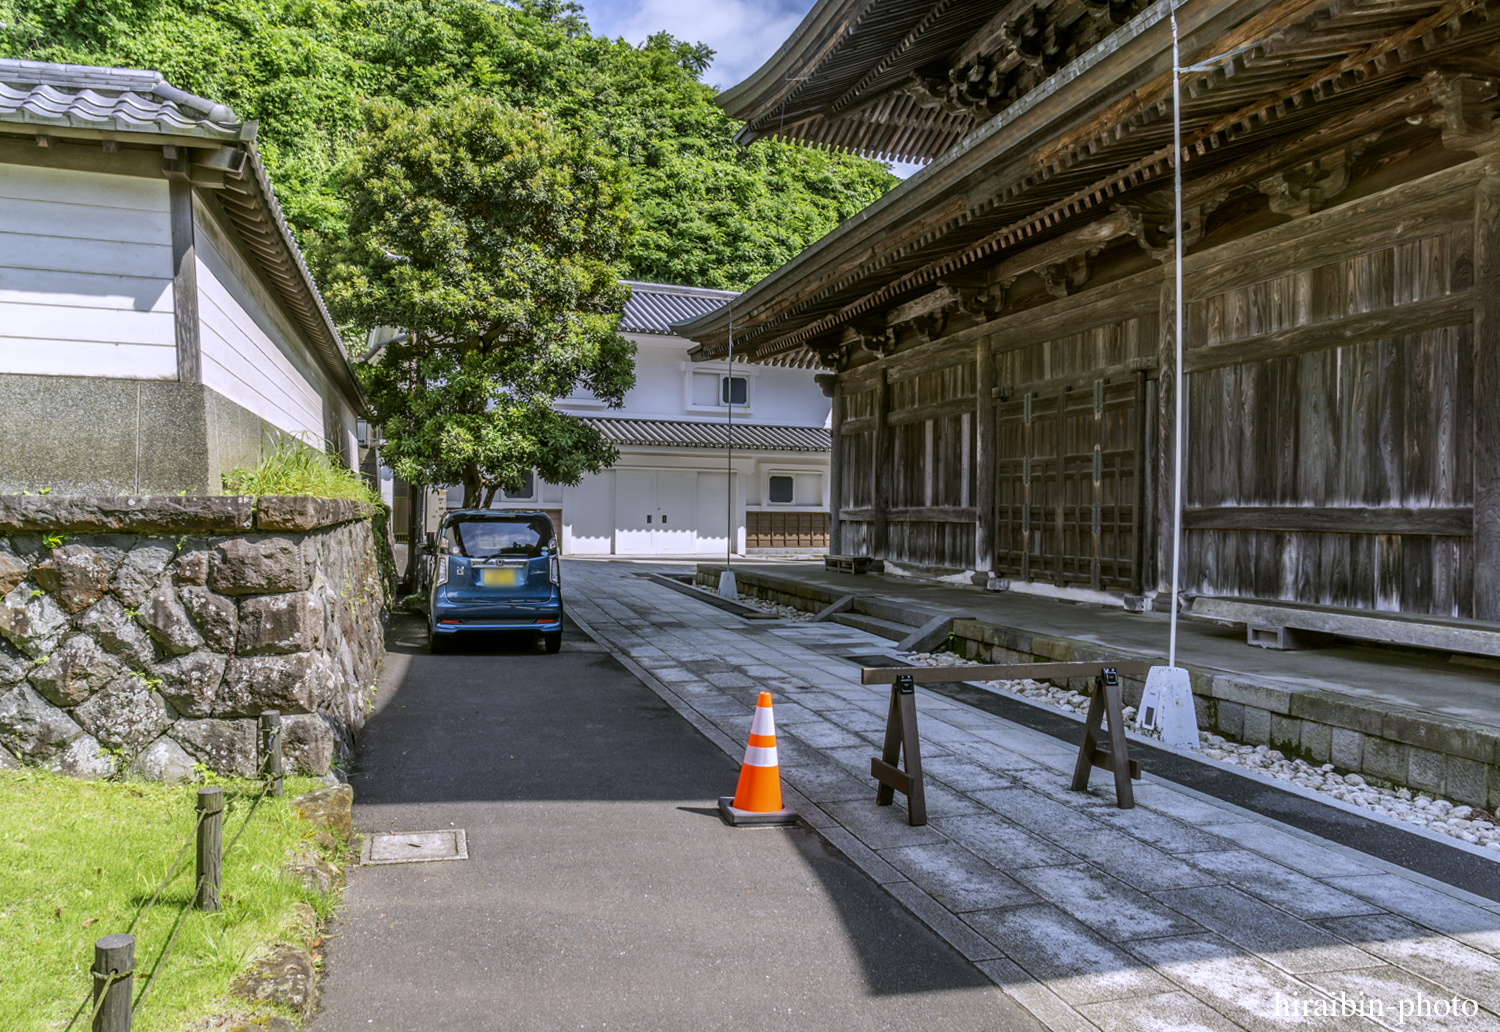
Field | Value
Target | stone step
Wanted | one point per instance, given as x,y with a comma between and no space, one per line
902,613
874,625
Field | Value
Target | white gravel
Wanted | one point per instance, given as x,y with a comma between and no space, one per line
1444,816
762,604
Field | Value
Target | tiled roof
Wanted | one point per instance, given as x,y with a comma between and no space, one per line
64,100
654,307
121,99
681,433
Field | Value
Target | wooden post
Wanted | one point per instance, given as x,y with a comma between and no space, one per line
1146,497
1486,388
1060,492
1106,702
1166,387
901,736
881,494
185,280
835,469
114,961
984,459
270,736
210,848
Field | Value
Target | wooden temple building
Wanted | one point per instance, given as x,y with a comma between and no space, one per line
998,331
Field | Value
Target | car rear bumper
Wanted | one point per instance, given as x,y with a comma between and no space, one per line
545,615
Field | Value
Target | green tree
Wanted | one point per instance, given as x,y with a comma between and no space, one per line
710,212
490,236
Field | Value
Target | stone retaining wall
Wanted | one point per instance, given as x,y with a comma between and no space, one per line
1426,752
149,634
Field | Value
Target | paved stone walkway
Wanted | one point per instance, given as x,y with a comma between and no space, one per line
1184,913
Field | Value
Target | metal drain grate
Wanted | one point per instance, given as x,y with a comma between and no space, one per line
415,847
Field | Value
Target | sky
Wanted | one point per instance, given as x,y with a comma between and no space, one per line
743,33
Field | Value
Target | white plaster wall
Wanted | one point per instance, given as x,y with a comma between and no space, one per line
252,354
780,397
85,274
589,515
713,513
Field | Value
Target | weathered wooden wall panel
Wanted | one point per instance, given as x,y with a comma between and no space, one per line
929,439
1328,424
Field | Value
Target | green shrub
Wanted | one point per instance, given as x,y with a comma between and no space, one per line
290,467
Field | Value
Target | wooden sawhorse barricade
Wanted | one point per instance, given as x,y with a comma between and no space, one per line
901,725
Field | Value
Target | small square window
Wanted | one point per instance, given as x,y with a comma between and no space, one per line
734,390
522,492
781,490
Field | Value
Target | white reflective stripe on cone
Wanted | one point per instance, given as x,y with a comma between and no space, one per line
764,723
760,756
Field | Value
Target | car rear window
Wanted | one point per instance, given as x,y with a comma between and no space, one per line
488,537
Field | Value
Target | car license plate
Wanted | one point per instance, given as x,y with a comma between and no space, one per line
500,577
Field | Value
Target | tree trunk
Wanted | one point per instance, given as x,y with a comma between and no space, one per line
489,496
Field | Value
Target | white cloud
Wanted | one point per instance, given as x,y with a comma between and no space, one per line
743,33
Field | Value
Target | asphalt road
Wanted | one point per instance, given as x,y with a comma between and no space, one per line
601,889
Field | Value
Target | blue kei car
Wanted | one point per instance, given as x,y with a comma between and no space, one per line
495,570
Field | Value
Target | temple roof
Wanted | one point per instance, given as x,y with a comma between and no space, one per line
907,79
1282,96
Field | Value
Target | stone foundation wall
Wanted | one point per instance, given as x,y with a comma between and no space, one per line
148,634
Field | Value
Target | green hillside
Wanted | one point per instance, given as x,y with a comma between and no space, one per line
708,212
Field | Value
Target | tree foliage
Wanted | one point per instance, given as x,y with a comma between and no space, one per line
709,212
489,235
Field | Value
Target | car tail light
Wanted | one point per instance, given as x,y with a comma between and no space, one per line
440,575
554,571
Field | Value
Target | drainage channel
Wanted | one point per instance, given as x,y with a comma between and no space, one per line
1393,844
736,608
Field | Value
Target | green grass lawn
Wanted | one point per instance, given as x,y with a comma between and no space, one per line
79,858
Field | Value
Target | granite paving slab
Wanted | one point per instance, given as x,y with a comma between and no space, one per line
1280,886
1075,962
1261,929
1401,995
1237,985
1291,850
956,878
1443,961
1107,905
1439,911
1001,843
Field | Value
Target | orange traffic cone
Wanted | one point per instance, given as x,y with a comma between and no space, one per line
757,799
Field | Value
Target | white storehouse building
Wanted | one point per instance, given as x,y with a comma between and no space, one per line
156,318
677,489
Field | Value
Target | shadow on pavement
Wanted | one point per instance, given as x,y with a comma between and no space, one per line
496,721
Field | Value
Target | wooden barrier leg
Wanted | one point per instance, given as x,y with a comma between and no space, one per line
1118,750
1090,743
891,754
916,798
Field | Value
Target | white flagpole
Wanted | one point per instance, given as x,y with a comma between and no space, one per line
729,449
1166,707
1177,329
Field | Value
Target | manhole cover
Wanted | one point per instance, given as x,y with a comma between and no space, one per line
415,847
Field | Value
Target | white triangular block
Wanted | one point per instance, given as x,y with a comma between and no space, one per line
727,586
1166,708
